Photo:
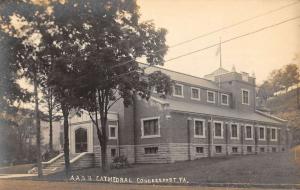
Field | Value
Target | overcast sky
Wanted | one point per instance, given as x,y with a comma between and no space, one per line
260,53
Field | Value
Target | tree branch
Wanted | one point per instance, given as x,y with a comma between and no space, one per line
110,105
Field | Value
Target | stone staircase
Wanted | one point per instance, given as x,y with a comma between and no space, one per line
57,164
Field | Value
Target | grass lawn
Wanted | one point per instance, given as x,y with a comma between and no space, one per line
271,168
18,169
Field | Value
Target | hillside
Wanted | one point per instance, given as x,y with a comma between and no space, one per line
285,106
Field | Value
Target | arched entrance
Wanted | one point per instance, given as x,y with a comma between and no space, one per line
80,140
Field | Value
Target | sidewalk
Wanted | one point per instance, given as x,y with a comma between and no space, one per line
13,176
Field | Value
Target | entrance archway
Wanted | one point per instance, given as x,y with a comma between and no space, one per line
80,140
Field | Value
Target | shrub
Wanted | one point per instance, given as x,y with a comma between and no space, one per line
120,162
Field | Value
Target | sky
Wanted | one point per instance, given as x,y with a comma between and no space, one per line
260,53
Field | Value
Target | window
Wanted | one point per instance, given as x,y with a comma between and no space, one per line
218,130
199,130
262,133
211,97
224,99
274,149
150,127
245,97
249,133
112,131
195,93
199,150
113,152
151,150
234,149
218,149
178,90
262,149
249,148
234,131
113,134
273,134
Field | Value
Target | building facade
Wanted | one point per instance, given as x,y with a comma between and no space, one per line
204,117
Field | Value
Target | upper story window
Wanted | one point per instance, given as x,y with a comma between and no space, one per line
195,93
218,130
245,97
262,133
150,127
234,131
224,99
249,132
178,90
211,97
199,130
112,132
273,134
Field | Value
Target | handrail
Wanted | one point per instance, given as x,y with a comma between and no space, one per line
79,156
53,159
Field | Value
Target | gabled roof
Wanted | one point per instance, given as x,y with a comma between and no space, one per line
184,78
219,71
217,111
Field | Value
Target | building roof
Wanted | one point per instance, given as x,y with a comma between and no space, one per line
219,71
217,111
185,78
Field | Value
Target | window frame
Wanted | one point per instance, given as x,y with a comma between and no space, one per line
248,125
142,127
276,134
249,148
265,131
207,99
151,147
227,96
243,90
222,130
175,95
221,149
237,130
111,151
201,147
203,126
234,147
199,96
109,132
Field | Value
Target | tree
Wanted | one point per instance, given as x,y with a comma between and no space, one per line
289,76
53,107
21,20
102,41
265,90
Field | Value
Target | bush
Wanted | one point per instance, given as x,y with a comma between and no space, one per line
120,162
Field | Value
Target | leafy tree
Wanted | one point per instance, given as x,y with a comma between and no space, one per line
52,107
289,76
102,40
265,90
20,19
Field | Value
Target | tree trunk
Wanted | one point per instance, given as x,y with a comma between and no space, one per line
103,143
50,133
66,141
38,127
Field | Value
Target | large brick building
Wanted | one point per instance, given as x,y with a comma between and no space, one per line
211,116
